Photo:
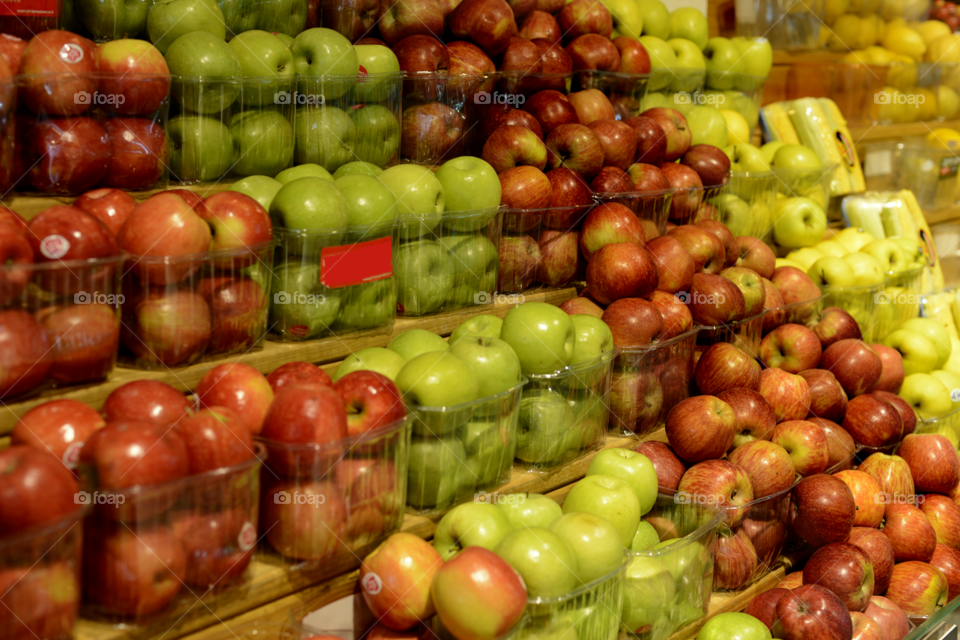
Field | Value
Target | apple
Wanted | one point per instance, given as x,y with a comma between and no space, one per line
718,483
909,532
545,562
763,606
372,401
710,163
755,418
928,396
768,465
892,474
846,570
687,199
736,560
788,394
715,300
581,306
811,610
651,139
502,115
609,497
66,155
298,372
675,129
866,493
791,347
633,322
892,373
701,428
610,181
840,443
889,616
856,366
619,142
806,443
755,254
828,400
724,366
835,325
947,560
215,437
666,464
933,462
621,270
492,33
677,318
540,24
575,147
37,489
878,547
596,542
609,223
918,588
872,421
551,109
239,387
511,145
494,362
58,52
534,511
59,427
823,510
518,262
944,515
524,187
472,524
542,336
146,401
674,263
404,18
704,247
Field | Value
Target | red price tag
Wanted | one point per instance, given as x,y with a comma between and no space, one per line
354,264
28,8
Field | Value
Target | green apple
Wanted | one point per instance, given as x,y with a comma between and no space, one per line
831,248
936,333
831,271
472,524
368,200
302,307
853,239
734,625
684,558
769,150
303,171
260,188
168,20
111,19
310,203
382,71
688,54
469,184
542,335
648,589
627,18
435,472
357,167
708,126
929,397
653,100
633,468
953,362
796,156
378,134
888,254
438,379
645,538
689,23
799,222
594,338
917,350
745,157
414,342
262,55
951,381
535,510
543,559
596,543
419,194
757,57
201,148
662,58
483,324
472,265
378,359
263,139
242,15
656,19
912,252
325,136
368,305
324,52
867,271
489,460
609,497
196,56
734,213
492,360
544,430
744,105
805,256
724,63
283,16
424,279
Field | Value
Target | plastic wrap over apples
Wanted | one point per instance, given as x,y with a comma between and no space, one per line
564,415
744,334
334,283
898,301
157,554
462,453
177,310
648,381
322,506
86,129
40,579
667,586
447,260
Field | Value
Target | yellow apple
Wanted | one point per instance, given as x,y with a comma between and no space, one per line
738,131
869,31
783,262
931,30
833,9
927,107
831,248
846,33
948,102
879,55
903,39
854,238
946,48
805,256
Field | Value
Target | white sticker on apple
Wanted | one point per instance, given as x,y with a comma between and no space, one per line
247,537
72,455
54,247
955,395
71,53
7,36
372,584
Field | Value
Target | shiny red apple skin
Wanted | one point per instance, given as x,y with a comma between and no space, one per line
85,339
872,421
892,375
621,270
372,401
110,206
677,319
86,237
238,312
947,560
575,147
856,366
836,324
633,322
304,530
540,24
128,453
215,546
139,152
405,565
907,414
735,560
754,253
763,606
675,265
794,285
236,220
59,427
823,510
791,347
710,163
667,465
721,483
828,400
25,358
297,372
840,443
501,115
559,257
724,366
487,23
701,428
866,493
892,474
918,588
846,570
773,306
609,223
611,181
675,128
889,616
933,462
35,489
705,248
619,142
768,465
239,387
806,443
513,145
147,401
303,414
865,627
715,301
551,109
910,533
430,132
66,155
755,418
810,612
524,187
944,515
60,52
421,52
878,547
215,437
651,140
788,394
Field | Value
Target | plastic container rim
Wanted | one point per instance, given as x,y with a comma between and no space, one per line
363,230
659,344
466,405
590,586
37,531
853,288
737,323
205,255
66,264
725,509
685,541
638,194
348,442
601,360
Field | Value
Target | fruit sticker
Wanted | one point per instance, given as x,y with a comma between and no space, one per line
72,455
247,537
54,247
372,584
71,53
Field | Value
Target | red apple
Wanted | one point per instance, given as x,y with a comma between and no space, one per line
878,547
500,115
865,627
788,394
395,580
487,23
519,256
906,412
298,372
701,428
909,532
840,443
667,465
714,300
611,181
944,515
85,339
836,324
74,60
109,206
723,366
720,484
823,510
559,257
571,195
651,140
513,145
794,285
621,270
218,546
710,163
128,453
167,327
11,51
675,265
856,366
812,611
866,493
918,588
933,462
593,106
575,306
633,322
238,310
735,560
947,560
846,570
540,24
430,132
619,142
633,55
705,248
402,19
215,437
675,128
135,70
35,489
677,318
892,474
467,59
768,465
755,254
551,109
687,199
236,221
889,616
872,421
372,401
303,414
138,152
59,427
805,442
755,418
773,306
40,601
304,518
525,187
575,147
584,16
891,375
827,398
763,606
25,357
791,347
147,401
66,155
521,56
239,387
609,223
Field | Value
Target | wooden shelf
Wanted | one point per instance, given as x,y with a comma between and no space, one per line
274,354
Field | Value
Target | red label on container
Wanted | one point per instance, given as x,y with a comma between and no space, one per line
354,264
28,8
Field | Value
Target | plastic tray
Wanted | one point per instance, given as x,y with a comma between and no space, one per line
859,302
745,334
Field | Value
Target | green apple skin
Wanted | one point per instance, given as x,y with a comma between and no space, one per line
260,188
324,52
888,253
378,134
542,335
325,136
746,157
307,319
168,20
936,333
310,203
240,16
423,276
368,200
434,472
708,126
689,23
831,271
472,524
800,222
535,510
633,468
263,55
493,361
912,252
928,395
480,325
662,58
648,589
378,359
688,54
382,74
734,213
608,497
627,18
357,168
952,382
283,16
594,338
645,538
544,433
201,148
653,100
724,63
473,261
488,459
596,543
543,559
727,626
418,192
796,156
414,342
757,57
303,171
438,379
867,271
197,55
113,19
685,560
656,19
368,305
918,351
469,184
264,140
769,150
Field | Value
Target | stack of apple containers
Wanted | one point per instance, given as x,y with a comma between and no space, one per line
669,586
325,504
648,381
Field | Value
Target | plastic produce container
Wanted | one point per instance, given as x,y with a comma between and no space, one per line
648,381
179,309
447,261
860,302
564,415
59,323
323,504
745,205
41,588
931,173
805,183
652,207
457,452
288,17
668,588
738,92
694,204
194,536
898,301
624,90
787,24
806,313
76,132
353,20
676,87
333,283
744,334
